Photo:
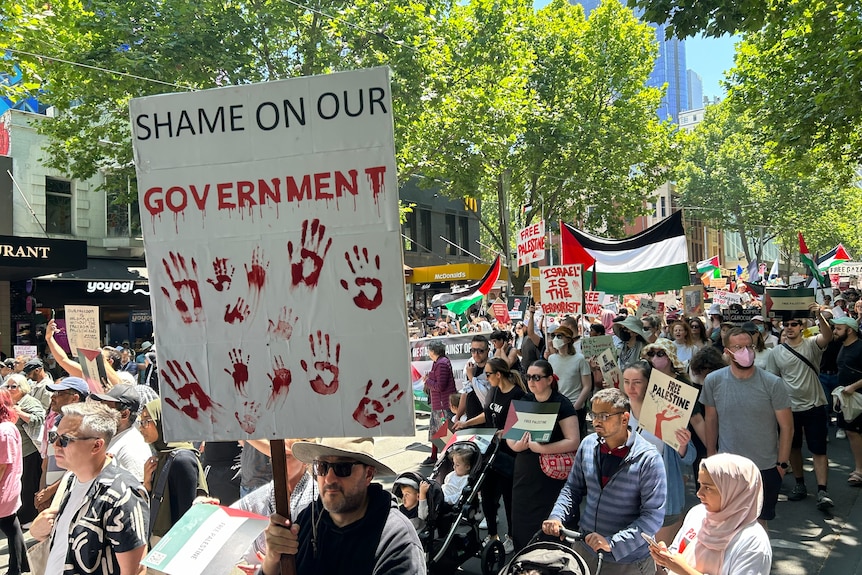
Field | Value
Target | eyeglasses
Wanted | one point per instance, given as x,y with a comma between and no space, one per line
535,377
736,348
145,422
64,440
604,416
793,323
659,353
11,387
341,468
478,350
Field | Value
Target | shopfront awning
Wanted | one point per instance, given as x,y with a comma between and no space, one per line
103,282
22,258
104,270
452,273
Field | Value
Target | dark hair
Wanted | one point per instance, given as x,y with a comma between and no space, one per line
481,339
500,335
702,336
642,366
547,371
438,347
454,398
598,328
501,366
705,361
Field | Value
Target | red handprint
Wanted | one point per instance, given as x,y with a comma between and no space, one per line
324,367
250,416
184,281
283,329
281,379
256,274
190,390
368,410
307,269
240,369
239,313
362,299
223,275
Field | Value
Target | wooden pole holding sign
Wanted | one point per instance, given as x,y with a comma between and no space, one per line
282,495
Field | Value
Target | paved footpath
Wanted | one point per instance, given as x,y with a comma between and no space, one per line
805,541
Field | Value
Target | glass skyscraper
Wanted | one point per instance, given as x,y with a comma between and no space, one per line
669,68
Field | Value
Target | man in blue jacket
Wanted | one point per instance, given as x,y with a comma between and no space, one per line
622,477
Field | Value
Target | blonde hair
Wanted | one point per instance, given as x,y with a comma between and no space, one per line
22,382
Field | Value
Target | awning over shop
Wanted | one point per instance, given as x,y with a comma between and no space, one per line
452,273
23,258
105,270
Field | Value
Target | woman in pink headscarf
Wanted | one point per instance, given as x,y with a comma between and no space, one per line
721,536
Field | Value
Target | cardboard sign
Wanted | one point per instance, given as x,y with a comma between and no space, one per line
847,269
207,539
726,298
595,345
270,220
25,350
537,419
611,372
83,327
791,300
531,244
668,406
500,311
736,315
562,289
647,306
593,303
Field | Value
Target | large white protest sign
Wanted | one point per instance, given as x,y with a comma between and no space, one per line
668,406
270,219
562,289
531,243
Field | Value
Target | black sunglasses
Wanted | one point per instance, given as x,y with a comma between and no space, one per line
535,377
64,440
793,324
341,468
659,353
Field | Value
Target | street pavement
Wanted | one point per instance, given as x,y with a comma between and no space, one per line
805,541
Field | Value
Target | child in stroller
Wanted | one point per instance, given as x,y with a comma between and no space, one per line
451,533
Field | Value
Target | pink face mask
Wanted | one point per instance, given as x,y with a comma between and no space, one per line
660,363
744,357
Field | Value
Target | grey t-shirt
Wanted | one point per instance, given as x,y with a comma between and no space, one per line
803,383
746,413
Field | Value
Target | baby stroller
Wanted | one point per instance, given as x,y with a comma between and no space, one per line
549,558
453,535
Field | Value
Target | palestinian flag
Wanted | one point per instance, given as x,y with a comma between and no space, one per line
707,265
838,255
459,301
654,260
808,262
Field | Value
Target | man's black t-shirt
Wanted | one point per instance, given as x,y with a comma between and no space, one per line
850,363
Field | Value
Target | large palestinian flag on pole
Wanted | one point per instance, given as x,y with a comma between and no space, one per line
460,301
808,262
652,261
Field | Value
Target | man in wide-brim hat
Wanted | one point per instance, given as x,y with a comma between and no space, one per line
354,527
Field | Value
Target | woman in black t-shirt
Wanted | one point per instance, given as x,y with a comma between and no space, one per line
533,492
506,386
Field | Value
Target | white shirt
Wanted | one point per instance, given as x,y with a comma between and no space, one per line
838,312
60,534
130,451
452,487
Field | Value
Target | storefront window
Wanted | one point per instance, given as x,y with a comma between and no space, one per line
122,214
408,231
58,206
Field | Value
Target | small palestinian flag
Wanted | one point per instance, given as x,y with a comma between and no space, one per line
707,265
837,256
460,301
808,262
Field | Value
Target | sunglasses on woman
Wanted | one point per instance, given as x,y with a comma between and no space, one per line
535,377
659,353
341,468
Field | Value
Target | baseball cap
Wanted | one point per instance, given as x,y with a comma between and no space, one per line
758,318
32,364
121,393
74,383
119,348
848,321
9,362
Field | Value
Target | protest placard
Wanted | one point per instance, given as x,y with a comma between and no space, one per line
517,306
270,221
647,306
530,416
722,297
501,311
611,373
668,406
207,539
531,243
562,289
25,350
595,345
593,302
692,297
789,302
83,327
